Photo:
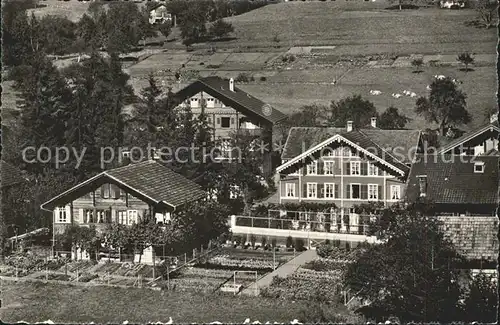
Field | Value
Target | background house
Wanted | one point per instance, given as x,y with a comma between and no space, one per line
456,185
230,110
159,14
481,141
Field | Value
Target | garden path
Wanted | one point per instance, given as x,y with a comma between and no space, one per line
282,271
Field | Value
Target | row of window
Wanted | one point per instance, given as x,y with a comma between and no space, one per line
125,217
332,191
354,168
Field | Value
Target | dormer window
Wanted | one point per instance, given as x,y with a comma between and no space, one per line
479,167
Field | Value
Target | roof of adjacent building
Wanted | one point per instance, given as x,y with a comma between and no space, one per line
149,179
237,99
474,237
300,139
10,175
467,137
452,180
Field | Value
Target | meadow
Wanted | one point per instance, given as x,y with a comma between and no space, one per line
31,302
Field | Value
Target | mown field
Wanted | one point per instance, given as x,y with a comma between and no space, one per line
33,302
362,28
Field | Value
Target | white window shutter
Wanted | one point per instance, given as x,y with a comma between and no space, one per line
68,213
56,214
80,215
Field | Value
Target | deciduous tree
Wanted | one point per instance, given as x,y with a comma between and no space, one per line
392,119
410,275
353,108
220,29
445,106
466,59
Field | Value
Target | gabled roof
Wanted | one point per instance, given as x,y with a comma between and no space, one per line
392,148
300,139
474,237
362,144
149,179
237,99
469,136
10,175
451,180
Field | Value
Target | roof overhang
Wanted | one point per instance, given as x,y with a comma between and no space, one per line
199,86
459,141
339,138
93,184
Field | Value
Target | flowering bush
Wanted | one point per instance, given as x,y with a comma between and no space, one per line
240,264
294,288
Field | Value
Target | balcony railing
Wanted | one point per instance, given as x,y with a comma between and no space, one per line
306,226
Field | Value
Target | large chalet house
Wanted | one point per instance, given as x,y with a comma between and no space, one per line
230,110
123,195
346,166
463,190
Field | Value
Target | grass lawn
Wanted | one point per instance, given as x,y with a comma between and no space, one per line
289,90
362,28
61,303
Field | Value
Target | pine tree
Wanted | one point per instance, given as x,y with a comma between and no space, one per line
46,99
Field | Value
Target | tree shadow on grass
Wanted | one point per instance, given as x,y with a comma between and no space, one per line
417,71
223,39
404,7
466,70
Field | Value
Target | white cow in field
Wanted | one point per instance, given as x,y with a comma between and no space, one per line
439,77
413,95
396,95
375,92
457,82
428,87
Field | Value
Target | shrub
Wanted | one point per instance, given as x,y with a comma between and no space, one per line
289,242
300,245
263,241
273,242
263,78
253,240
242,77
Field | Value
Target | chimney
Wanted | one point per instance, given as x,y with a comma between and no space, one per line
493,118
231,84
422,183
349,126
374,122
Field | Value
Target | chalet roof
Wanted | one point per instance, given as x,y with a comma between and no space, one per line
150,180
237,99
300,139
474,237
10,175
469,136
452,180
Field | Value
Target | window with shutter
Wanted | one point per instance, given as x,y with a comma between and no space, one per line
348,191
218,121
321,191
320,167
364,168
116,191
380,194
355,191
373,191
337,191
304,191
364,192
347,169
329,190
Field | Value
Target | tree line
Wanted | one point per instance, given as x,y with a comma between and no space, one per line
445,106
